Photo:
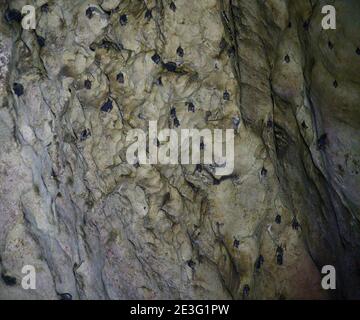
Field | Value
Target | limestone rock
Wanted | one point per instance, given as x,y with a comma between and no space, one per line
96,227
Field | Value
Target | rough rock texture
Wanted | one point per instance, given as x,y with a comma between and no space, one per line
98,228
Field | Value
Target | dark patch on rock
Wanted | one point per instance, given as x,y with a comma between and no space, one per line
159,81
65,296
335,84
8,280
123,19
223,44
41,41
180,51
278,219
207,115
45,8
90,12
322,141
231,51
170,66
87,84
330,45
120,78
279,255
236,243
287,58
92,46
306,25
295,224
148,14
173,6
246,291
304,126
12,15
191,107
259,262
176,122
191,264
226,95
107,106
236,121
18,89
216,182
53,174
105,44
156,58
263,172
86,133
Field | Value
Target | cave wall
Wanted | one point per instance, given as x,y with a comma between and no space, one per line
97,227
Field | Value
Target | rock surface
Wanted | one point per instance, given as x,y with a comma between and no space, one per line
96,227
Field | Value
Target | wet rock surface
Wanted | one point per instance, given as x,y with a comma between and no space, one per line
96,227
